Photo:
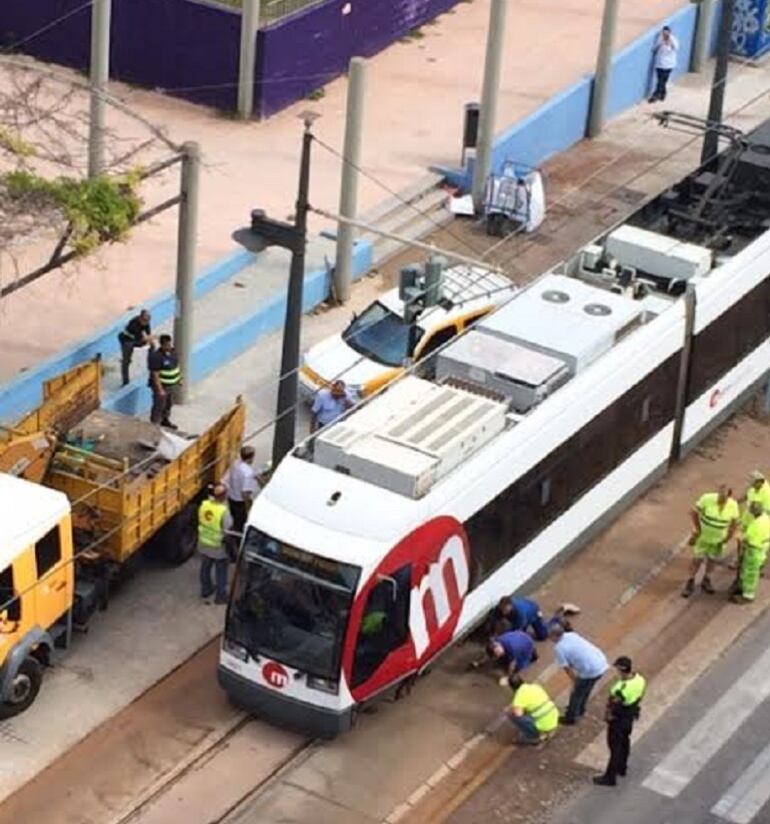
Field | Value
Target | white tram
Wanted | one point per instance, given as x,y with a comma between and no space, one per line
391,533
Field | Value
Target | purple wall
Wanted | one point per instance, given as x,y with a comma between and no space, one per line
304,51
189,48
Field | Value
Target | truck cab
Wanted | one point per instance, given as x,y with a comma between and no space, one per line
36,587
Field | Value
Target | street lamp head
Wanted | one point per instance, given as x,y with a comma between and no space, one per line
308,117
249,240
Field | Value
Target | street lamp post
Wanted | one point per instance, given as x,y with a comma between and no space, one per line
264,232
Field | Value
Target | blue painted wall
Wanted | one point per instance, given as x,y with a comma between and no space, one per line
25,392
222,347
562,121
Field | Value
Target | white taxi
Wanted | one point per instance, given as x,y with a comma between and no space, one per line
373,349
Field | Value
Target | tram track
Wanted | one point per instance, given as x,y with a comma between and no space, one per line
202,756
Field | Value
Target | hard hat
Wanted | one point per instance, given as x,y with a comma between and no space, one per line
756,475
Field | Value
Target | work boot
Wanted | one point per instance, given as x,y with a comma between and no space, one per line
603,781
167,423
706,586
689,588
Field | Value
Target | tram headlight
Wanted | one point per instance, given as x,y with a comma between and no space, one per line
236,649
323,685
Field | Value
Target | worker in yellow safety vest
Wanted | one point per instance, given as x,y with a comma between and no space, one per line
623,705
214,522
715,518
759,491
752,553
532,712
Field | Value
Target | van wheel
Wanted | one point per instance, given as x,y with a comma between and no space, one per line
24,688
177,541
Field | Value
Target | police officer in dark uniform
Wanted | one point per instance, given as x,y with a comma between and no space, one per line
137,333
623,705
165,377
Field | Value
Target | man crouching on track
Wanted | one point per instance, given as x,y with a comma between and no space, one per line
532,711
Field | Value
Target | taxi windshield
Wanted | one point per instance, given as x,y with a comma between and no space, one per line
290,605
380,334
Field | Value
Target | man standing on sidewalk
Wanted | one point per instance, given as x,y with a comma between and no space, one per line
242,487
583,662
214,522
665,52
715,519
165,377
532,712
623,705
135,335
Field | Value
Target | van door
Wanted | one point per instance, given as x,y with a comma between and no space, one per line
54,577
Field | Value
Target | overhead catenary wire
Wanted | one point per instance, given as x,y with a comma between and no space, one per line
272,421
646,170
432,248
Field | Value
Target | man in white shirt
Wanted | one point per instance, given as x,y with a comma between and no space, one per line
665,51
242,487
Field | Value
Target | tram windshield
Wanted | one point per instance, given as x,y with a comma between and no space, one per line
290,605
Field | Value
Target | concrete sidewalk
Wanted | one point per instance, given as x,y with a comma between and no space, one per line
413,120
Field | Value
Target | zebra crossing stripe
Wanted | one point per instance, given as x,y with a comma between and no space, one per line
713,730
748,794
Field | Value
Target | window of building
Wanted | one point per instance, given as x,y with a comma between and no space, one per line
384,623
48,551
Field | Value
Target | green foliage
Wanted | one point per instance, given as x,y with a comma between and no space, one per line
98,210
316,94
13,143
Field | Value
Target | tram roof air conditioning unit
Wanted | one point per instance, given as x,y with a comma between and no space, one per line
504,367
412,447
564,318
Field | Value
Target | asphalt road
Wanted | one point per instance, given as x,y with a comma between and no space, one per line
707,760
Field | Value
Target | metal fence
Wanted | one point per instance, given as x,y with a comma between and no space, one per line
272,10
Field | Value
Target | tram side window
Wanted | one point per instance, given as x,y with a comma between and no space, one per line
10,606
384,623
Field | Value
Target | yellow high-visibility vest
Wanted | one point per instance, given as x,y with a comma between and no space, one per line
211,514
629,690
715,520
756,534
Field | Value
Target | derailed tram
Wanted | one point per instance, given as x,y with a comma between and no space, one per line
389,534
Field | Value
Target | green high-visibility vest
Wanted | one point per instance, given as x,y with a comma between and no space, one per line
211,532
629,691
756,534
715,520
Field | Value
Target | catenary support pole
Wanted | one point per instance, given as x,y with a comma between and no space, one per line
489,96
101,12
603,68
286,412
185,263
700,45
343,270
717,100
248,57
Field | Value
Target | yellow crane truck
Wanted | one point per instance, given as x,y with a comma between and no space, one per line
82,492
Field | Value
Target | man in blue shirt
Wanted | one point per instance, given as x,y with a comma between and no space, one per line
524,614
514,650
330,404
583,662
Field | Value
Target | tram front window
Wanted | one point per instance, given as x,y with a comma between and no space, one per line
290,605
